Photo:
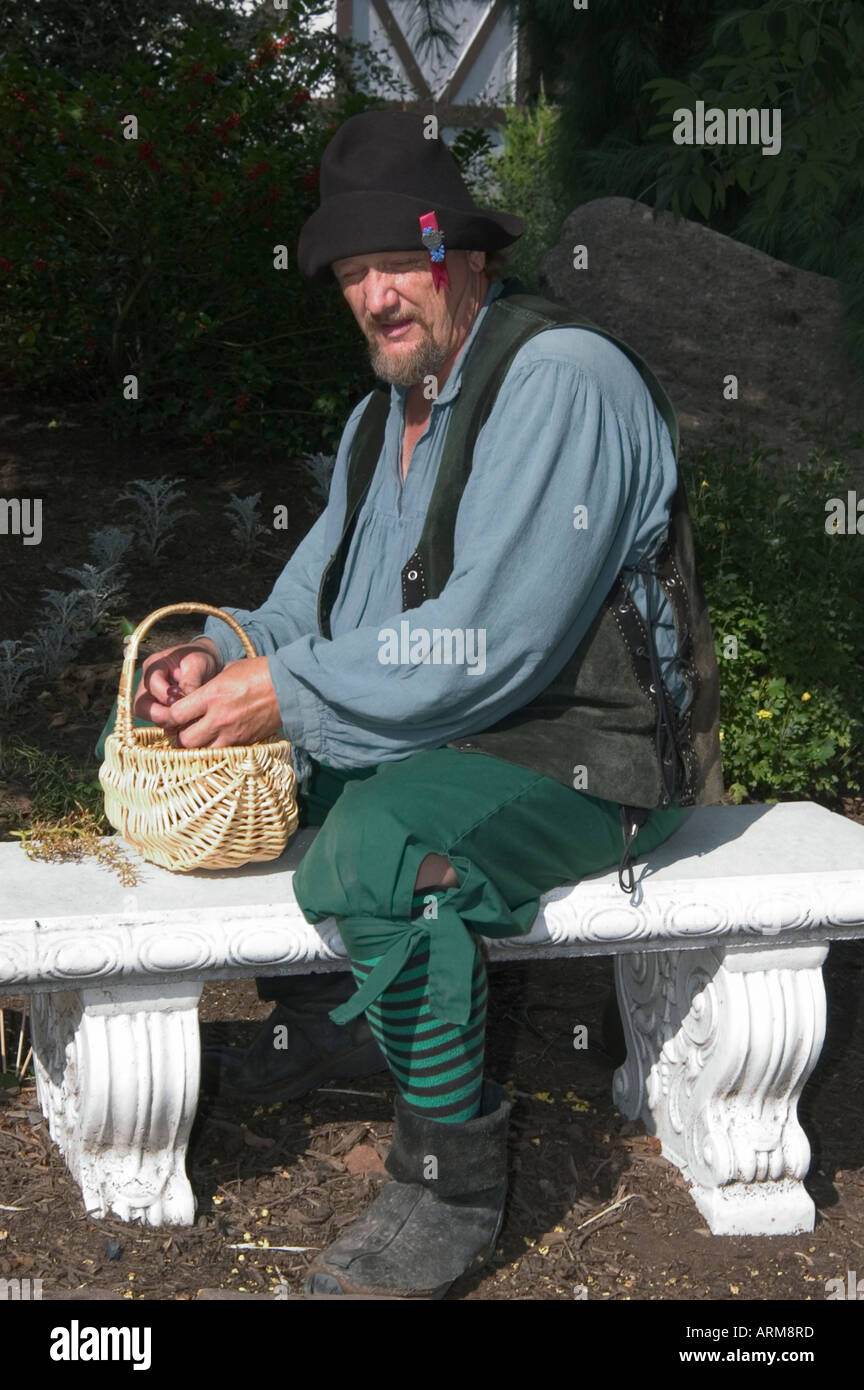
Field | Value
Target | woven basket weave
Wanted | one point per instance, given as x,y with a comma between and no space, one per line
195,808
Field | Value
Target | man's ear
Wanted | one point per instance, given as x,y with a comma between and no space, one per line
477,260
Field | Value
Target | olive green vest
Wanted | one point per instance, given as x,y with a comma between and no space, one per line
606,723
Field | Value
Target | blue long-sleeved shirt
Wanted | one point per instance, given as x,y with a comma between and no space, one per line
573,427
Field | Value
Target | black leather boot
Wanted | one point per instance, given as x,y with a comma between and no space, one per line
298,1047
440,1217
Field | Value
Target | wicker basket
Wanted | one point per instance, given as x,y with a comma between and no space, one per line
195,808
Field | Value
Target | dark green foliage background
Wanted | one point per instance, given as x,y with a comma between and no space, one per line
155,256
620,72
787,592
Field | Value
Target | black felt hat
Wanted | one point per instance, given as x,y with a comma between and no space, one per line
379,175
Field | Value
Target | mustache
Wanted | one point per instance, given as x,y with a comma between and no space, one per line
381,322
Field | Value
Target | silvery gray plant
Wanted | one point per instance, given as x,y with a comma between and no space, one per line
57,639
320,468
63,619
156,500
17,672
109,547
246,527
100,591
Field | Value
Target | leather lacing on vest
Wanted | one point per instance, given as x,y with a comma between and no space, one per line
665,733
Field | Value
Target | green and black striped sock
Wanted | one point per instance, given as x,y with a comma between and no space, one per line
438,1066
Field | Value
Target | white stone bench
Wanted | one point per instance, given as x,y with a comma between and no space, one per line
718,956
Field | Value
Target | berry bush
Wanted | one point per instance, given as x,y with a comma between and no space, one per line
144,210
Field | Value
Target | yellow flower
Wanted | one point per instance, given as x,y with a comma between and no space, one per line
720,735
764,714
806,695
704,484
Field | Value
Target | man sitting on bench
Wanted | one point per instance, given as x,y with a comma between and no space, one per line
515,486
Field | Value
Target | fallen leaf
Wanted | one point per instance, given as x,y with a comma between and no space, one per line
362,1160
640,1143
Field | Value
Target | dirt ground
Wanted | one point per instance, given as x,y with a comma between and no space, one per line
296,1173
594,1210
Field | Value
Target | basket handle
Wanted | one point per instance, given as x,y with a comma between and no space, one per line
123,722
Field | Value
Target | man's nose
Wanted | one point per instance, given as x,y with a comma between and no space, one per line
382,297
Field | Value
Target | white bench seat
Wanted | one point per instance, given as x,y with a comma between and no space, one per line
718,956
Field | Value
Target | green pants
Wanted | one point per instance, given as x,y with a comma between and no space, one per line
510,834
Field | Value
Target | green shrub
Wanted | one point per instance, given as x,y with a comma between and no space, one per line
784,598
154,257
518,180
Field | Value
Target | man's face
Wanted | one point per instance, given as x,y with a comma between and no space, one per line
411,328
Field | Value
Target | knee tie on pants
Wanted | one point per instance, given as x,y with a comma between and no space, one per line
451,948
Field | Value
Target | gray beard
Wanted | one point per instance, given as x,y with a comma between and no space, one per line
411,367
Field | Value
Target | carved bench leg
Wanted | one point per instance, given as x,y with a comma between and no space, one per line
117,1072
720,1042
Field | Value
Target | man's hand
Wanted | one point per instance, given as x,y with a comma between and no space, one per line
168,673
237,706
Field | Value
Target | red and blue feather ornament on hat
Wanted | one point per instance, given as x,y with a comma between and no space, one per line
433,239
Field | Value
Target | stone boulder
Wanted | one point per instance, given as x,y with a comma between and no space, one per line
700,307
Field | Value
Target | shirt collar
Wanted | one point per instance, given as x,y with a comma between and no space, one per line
453,384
